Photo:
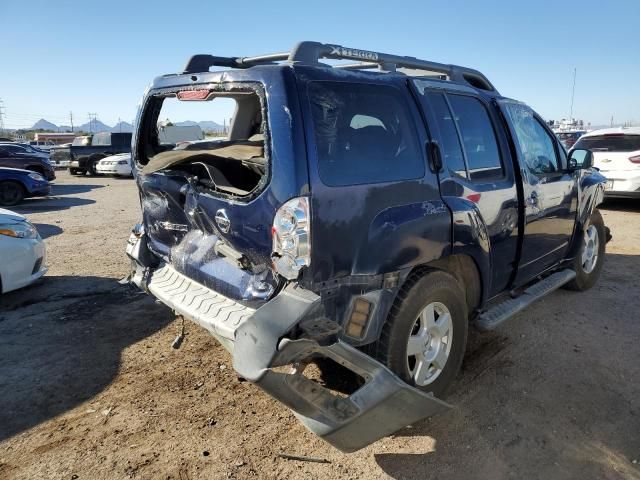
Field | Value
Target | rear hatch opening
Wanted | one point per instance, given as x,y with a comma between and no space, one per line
202,162
229,159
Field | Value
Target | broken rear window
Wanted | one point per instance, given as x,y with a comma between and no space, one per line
364,134
214,135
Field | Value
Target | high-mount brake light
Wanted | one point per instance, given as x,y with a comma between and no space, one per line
292,238
193,94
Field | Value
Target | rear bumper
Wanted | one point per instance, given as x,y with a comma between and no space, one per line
622,184
262,341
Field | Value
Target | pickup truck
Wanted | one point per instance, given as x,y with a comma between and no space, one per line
365,214
86,151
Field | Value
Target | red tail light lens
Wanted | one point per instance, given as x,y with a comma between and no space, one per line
193,94
635,159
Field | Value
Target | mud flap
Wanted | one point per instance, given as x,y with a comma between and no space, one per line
380,407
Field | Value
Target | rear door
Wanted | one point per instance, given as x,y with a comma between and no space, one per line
477,169
550,192
376,205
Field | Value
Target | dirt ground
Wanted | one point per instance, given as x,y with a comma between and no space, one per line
90,387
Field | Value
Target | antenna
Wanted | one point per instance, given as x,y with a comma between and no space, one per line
1,116
71,119
573,92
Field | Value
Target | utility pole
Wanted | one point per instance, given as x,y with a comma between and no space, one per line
92,119
71,119
573,92
1,116
120,124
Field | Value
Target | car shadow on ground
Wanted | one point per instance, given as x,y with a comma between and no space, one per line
50,204
621,205
45,230
72,189
61,341
552,391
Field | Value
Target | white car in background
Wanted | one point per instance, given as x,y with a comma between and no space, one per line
22,252
616,153
119,165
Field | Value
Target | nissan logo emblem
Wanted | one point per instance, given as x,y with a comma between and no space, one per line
222,220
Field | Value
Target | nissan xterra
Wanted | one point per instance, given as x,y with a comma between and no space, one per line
361,213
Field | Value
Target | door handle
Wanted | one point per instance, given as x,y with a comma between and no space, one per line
533,199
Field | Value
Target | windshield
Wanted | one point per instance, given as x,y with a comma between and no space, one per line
101,139
81,141
610,143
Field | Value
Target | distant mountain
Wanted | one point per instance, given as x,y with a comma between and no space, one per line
206,125
123,127
96,126
43,124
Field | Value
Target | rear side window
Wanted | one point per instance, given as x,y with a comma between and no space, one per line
450,143
478,138
610,143
363,134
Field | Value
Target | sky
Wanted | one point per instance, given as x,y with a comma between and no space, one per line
98,57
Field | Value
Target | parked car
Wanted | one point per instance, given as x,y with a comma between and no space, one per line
22,252
42,145
17,184
118,165
616,152
570,137
25,149
365,215
14,156
85,152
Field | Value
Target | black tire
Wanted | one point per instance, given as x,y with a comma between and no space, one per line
92,162
587,277
73,171
11,193
434,287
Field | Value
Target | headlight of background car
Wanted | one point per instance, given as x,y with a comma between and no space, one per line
37,177
18,230
122,162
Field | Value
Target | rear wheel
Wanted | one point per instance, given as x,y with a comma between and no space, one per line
11,193
425,338
590,258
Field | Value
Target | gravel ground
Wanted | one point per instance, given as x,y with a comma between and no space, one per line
90,388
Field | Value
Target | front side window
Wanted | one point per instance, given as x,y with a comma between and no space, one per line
535,144
478,138
364,134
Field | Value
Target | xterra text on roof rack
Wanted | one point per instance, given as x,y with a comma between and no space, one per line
364,213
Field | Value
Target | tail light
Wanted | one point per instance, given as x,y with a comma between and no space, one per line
291,238
635,159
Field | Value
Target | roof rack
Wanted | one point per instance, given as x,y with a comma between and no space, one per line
309,53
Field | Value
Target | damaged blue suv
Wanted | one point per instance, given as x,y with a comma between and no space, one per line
362,210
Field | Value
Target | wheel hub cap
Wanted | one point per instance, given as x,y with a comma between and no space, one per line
429,343
590,249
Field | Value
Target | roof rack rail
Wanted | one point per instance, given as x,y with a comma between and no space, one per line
311,52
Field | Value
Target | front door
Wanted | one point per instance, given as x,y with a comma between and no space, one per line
550,192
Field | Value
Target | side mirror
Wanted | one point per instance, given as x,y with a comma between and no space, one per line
580,159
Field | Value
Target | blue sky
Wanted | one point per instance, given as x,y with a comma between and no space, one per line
98,57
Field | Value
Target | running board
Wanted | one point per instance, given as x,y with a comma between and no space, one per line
495,316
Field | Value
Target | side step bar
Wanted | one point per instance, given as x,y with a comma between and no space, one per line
495,316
